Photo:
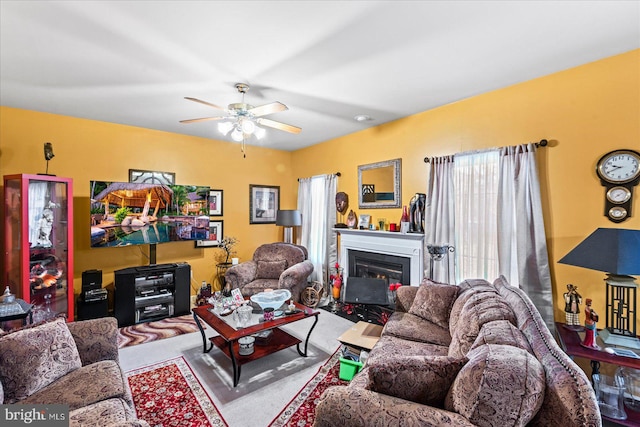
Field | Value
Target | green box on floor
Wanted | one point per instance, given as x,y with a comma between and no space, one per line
348,368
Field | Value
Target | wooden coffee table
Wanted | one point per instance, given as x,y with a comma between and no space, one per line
227,341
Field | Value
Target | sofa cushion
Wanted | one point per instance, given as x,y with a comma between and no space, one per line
433,302
480,308
33,358
84,386
420,379
466,292
388,348
104,413
270,269
501,332
500,386
415,328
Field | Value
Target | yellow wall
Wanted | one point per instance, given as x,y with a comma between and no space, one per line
88,150
585,111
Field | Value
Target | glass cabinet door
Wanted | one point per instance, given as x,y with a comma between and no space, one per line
39,242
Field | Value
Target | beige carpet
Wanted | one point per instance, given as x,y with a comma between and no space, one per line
266,386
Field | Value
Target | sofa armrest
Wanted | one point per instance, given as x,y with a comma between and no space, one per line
96,339
241,274
342,406
296,274
405,295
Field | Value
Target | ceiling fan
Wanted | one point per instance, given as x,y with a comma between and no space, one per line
241,119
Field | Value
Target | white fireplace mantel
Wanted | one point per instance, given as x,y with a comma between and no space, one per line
408,245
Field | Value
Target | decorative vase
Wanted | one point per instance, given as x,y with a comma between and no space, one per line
336,292
405,214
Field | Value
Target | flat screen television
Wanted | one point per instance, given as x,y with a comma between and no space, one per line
125,213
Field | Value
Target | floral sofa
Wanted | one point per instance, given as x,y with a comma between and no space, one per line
274,266
75,364
476,354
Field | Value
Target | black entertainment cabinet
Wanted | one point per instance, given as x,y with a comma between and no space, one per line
151,292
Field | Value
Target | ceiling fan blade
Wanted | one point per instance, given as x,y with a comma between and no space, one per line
204,119
279,125
204,102
263,110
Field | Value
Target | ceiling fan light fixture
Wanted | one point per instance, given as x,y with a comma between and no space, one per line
225,127
248,126
237,135
259,132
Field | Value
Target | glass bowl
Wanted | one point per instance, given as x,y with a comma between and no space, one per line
273,299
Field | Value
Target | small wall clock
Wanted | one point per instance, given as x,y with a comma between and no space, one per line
619,172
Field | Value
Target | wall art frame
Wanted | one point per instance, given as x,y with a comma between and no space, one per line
215,203
264,203
216,234
152,177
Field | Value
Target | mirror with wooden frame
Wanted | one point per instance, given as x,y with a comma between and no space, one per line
379,184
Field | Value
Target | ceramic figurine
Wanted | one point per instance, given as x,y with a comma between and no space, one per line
591,317
572,301
352,220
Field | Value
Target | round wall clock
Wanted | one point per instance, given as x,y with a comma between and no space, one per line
619,172
619,166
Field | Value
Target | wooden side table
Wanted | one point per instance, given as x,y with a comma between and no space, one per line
570,342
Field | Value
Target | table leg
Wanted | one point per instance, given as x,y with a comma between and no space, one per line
236,366
306,341
204,336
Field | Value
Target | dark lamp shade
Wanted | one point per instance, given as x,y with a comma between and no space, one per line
290,218
612,250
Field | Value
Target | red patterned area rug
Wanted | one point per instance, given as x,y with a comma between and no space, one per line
169,394
301,411
152,331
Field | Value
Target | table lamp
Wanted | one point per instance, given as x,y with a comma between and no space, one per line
288,219
616,252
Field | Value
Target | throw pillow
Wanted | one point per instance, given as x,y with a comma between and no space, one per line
33,358
499,385
420,379
270,269
501,332
433,302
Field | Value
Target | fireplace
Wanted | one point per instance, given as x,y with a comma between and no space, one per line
390,268
395,248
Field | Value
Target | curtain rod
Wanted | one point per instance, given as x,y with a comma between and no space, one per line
541,143
336,174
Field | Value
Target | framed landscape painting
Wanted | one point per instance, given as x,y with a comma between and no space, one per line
264,203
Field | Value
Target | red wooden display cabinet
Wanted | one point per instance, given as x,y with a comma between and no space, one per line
38,257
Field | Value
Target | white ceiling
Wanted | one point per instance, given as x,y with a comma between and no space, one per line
132,62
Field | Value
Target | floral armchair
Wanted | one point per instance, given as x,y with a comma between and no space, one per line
274,266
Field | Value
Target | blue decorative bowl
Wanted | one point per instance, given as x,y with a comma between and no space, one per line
273,299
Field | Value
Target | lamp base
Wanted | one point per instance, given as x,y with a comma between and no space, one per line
288,234
610,338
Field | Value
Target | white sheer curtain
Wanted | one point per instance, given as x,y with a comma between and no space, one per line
489,204
522,244
439,217
476,199
316,203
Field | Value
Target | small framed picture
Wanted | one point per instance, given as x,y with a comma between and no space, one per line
264,203
214,238
236,294
364,221
215,202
